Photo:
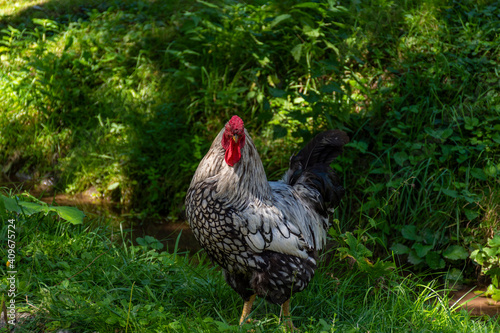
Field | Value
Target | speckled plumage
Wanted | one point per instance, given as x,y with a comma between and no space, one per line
265,235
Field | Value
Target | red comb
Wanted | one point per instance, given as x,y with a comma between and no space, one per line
236,123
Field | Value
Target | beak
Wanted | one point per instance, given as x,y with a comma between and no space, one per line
236,138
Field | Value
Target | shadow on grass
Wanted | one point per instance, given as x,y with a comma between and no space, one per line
66,11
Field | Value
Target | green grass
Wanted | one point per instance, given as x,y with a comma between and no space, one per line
89,278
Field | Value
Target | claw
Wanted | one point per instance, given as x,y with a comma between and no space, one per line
247,308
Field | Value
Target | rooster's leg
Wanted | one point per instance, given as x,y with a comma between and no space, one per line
247,307
285,310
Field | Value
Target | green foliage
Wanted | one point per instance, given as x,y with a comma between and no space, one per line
27,208
354,249
488,257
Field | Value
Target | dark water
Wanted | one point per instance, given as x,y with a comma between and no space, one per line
170,234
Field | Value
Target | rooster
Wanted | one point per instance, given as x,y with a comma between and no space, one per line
265,235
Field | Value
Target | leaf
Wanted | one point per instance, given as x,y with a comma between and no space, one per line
450,193
359,145
410,232
478,256
69,43
421,250
71,214
157,245
456,252
494,273
277,92
496,295
490,290
375,188
399,248
379,268
395,183
496,137
470,214
314,33
357,250
446,133
434,260
113,186
413,258
495,241
297,52
429,236
478,174
490,252
331,46
280,18
471,122
400,158
10,204
454,275
30,208
311,5
149,239
208,4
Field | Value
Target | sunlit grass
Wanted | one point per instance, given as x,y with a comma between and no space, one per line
91,278
8,7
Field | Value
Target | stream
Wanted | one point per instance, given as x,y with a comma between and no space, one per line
166,232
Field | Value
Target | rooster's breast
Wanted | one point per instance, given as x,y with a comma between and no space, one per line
215,227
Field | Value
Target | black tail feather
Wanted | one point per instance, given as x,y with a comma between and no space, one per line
311,166
322,149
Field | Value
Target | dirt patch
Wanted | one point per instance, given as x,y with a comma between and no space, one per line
475,302
167,233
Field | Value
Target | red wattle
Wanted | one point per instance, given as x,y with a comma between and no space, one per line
233,153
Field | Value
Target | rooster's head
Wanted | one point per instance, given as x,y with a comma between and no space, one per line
233,140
